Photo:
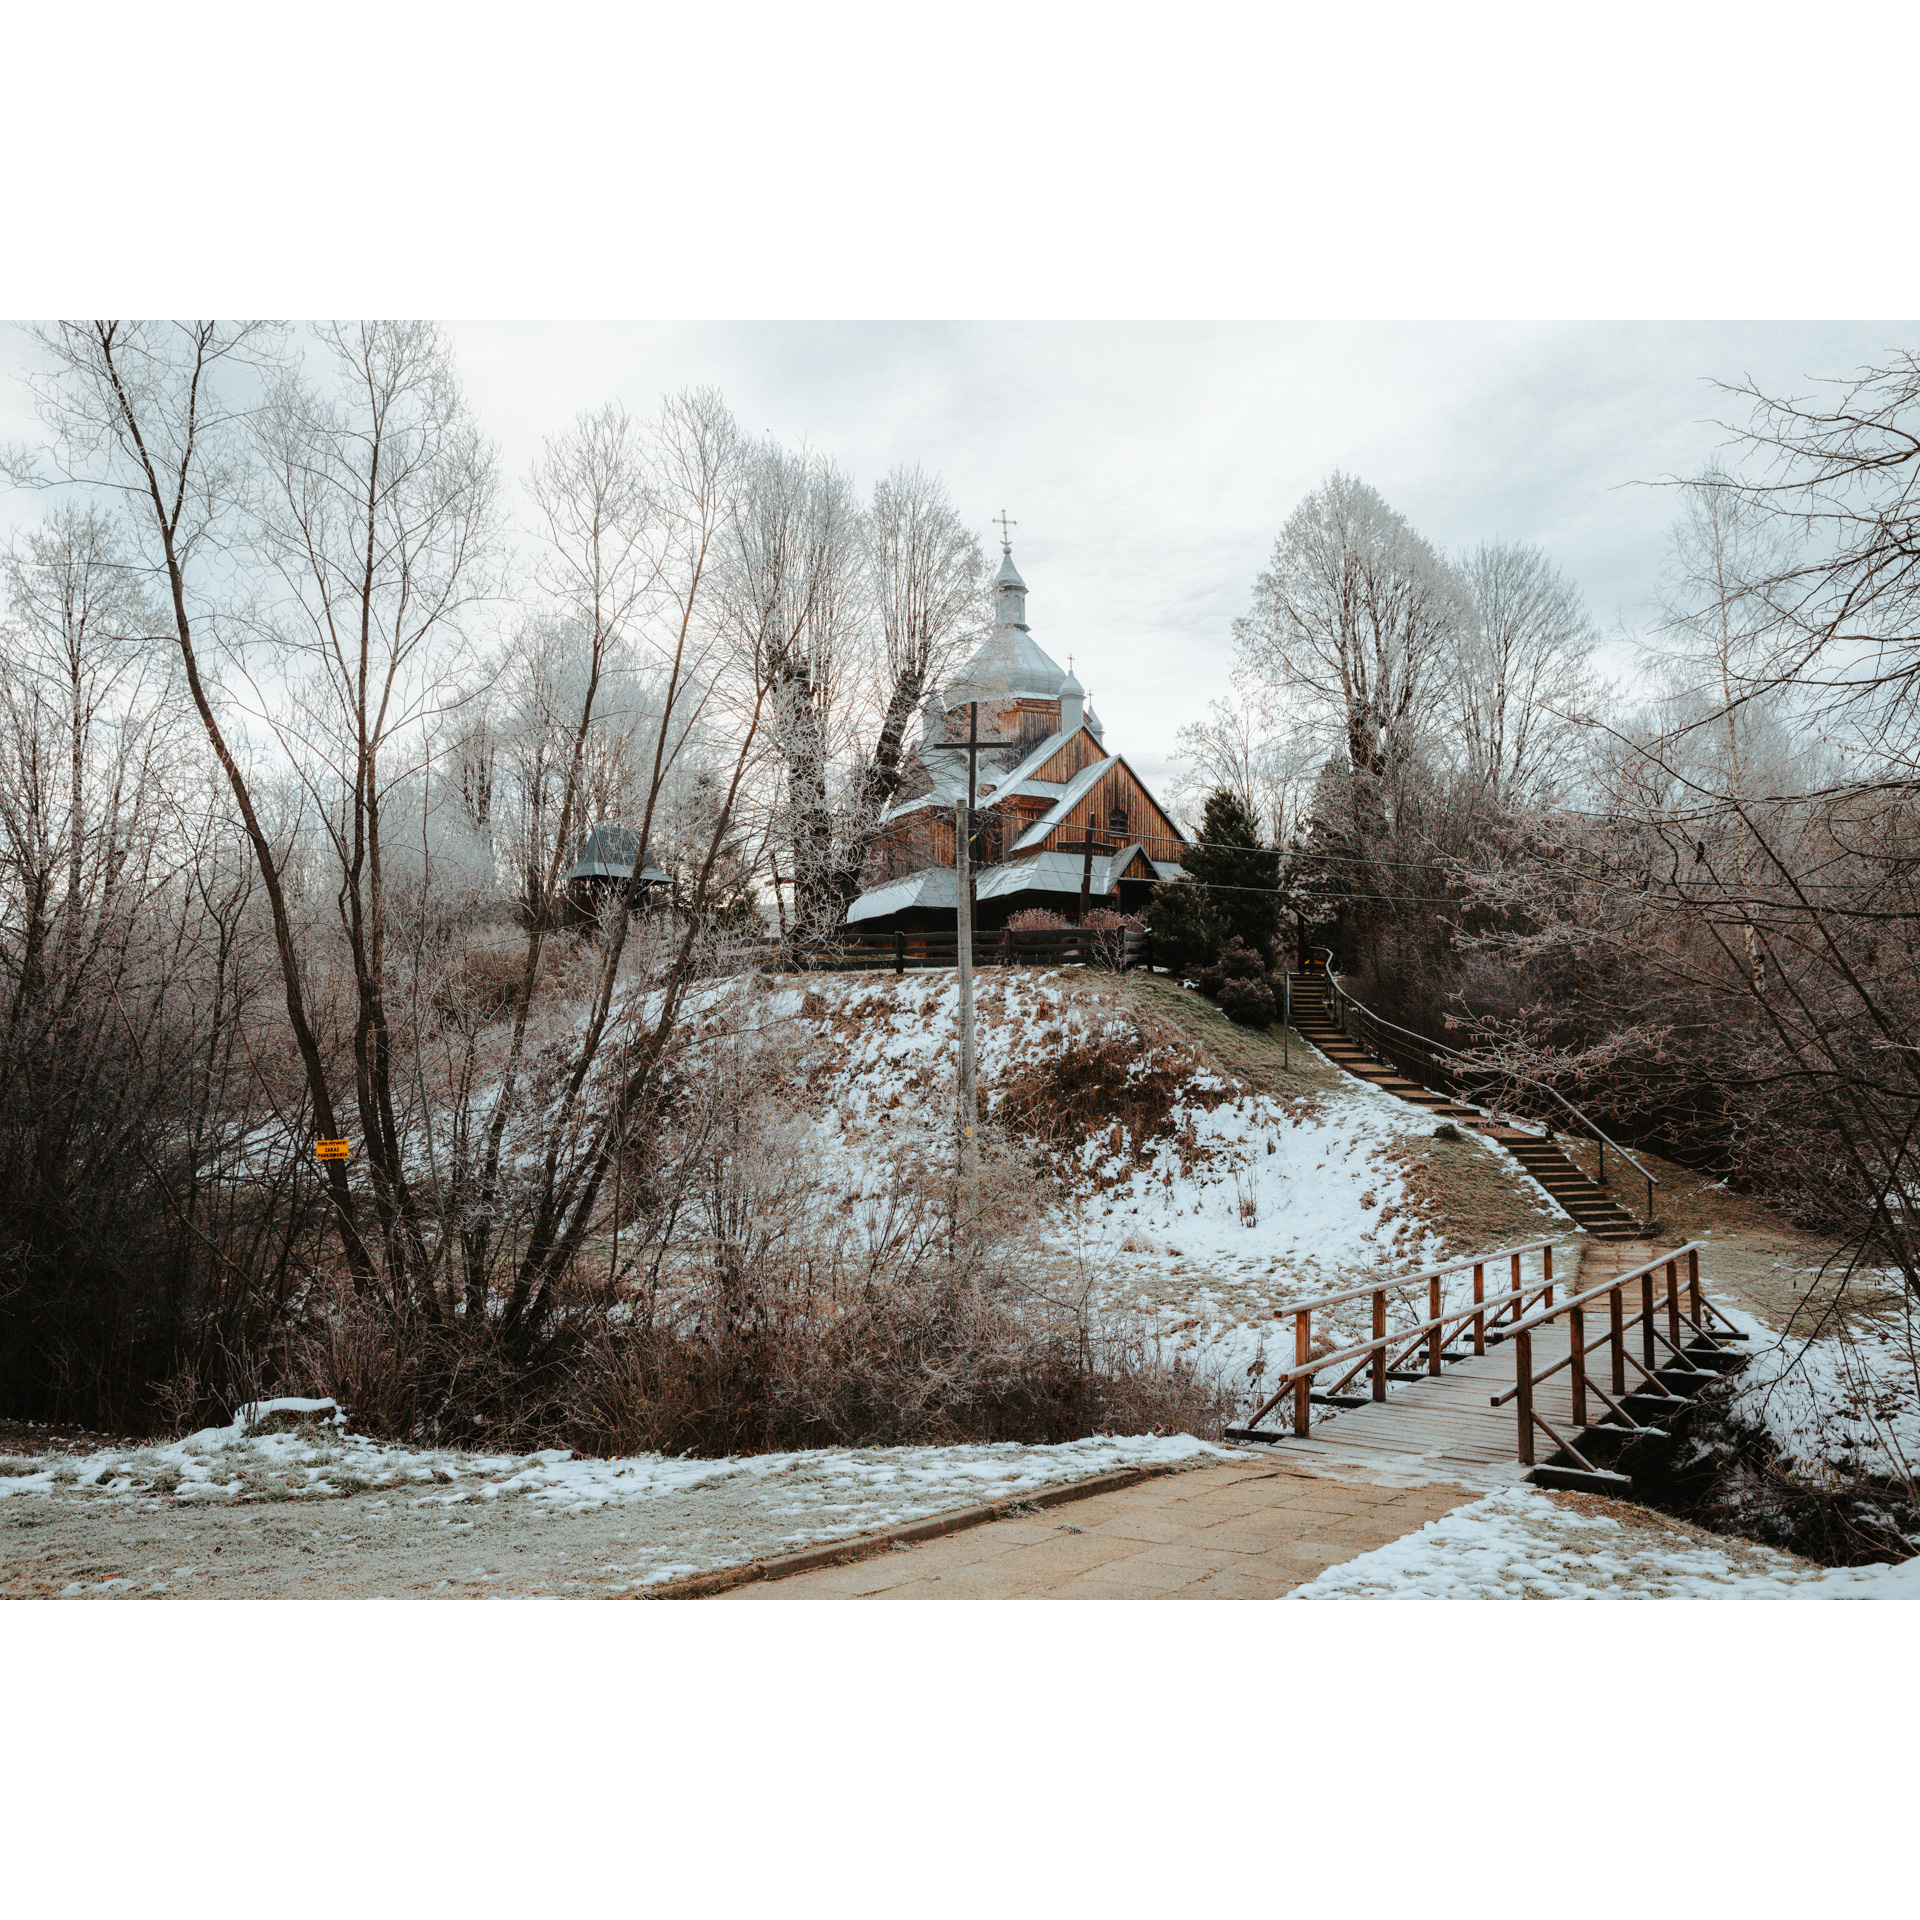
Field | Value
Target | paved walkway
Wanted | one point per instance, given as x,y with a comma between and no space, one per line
1256,1530
1230,1532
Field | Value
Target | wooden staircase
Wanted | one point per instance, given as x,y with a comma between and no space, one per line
1589,1204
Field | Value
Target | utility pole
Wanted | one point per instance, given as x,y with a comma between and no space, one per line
968,1118
969,1113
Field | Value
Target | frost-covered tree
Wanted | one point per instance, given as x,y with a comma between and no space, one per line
1357,625
1523,680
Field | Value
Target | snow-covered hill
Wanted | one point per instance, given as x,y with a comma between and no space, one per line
1174,1191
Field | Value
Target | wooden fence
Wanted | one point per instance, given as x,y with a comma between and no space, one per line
1115,948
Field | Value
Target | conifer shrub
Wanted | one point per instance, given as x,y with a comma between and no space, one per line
1239,874
1188,931
1237,961
1249,1002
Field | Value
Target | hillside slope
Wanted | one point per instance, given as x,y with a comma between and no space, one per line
1194,1182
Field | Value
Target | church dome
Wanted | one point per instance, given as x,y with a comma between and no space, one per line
1008,664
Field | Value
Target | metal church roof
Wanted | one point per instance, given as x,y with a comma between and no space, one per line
607,853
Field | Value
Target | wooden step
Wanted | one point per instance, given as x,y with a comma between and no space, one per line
1584,1201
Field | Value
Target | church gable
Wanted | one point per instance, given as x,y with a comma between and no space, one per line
1074,757
1116,791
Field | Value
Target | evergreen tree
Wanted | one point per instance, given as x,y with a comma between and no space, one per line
1188,931
1239,875
1325,863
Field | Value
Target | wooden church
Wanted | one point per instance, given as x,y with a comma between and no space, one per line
1055,809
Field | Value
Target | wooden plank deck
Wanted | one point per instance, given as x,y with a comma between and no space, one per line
1446,1428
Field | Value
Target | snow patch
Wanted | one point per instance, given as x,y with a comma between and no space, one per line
1520,1544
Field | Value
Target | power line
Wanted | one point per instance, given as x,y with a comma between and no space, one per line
1479,873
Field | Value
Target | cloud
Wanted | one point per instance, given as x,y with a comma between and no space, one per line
1149,465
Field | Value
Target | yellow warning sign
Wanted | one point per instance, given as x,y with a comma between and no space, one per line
331,1149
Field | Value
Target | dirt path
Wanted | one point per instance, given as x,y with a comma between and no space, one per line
1249,1530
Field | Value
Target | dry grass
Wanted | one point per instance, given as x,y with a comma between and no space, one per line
1123,1081
1268,1060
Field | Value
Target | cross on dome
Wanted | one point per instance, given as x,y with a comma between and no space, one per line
1006,544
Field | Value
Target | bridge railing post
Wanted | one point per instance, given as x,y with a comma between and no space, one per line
1546,1274
1673,1303
1617,1334
1380,1350
1479,1300
1693,1288
1577,1349
1515,1314
1433,1313
1302,1387
1523,1399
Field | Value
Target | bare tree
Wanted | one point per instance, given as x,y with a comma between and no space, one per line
1238,747
1524,676
927,578
138,1239
81,629
374,509
866,612
154,415
1357,623
796,591
721,654
1715,646
1841,480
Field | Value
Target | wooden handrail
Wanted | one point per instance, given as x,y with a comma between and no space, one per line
1425,1273
1298,1378
1520,1336
1553,1093
1545,1314
1606,1340
1325,1362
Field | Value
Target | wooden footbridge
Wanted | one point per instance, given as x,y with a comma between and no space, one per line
1571,1389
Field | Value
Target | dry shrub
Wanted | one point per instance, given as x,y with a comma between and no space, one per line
937,1359
929,1364
482,984
446,1382
1110,930
756,1307
1114,1078
1036,920
785,1323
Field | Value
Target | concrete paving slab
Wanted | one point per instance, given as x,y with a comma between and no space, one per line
1213,1533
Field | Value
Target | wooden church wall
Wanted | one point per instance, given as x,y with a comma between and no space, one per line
1078,754
924,838
1145,822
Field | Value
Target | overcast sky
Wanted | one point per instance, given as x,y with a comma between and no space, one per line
1149,466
